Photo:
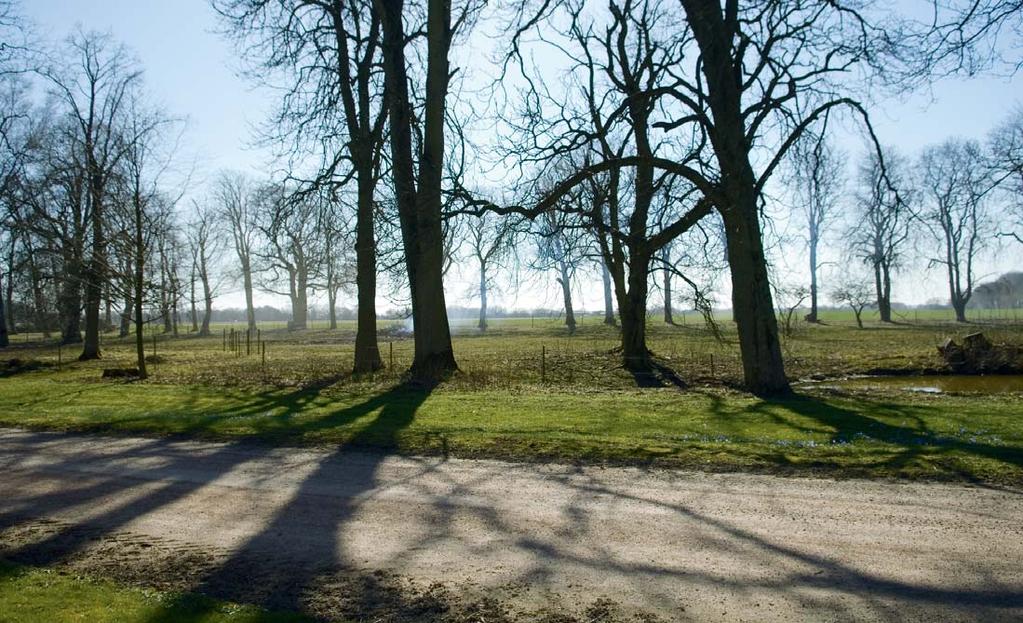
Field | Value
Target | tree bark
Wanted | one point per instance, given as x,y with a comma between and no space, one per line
420,211
609,306
250,310
367,351
812,316
753,307
5,340
482,325
668,316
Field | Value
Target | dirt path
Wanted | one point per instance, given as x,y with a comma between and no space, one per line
361,534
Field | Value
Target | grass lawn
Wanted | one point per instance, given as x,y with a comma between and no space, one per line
34,595
579,406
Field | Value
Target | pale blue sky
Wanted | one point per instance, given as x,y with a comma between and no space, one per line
192,70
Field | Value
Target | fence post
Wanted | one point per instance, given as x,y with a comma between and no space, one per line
712,364
225,339
543,363
263,348
390,346
59,355
248,342
154,347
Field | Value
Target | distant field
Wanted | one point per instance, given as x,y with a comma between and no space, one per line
529,391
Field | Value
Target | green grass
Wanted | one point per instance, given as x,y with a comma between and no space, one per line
36,595
857,434
583,407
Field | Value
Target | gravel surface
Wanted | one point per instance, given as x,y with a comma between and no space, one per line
342,533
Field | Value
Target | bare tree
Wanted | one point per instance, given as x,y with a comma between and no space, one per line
293,247
205,247
1006,149
94,85
855,293
955,182
815,180
334,97
235,197
418,193
491,241
882,222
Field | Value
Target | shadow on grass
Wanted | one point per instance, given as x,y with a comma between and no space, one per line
242,577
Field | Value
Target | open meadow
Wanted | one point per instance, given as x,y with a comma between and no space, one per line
527,390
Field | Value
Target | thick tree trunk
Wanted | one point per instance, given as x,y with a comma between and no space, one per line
139,284
71,310
609,305
420,210
250,310
753,308
299,303
668,316
93,296
96,271
367,351
125,324
884,292
632,307
207,297
5,340
191,300
332,307
565,281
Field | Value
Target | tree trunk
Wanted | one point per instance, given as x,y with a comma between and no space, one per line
71,308
96,270
367,351
668,317
332,307
859,317
565,282
5,340
125,324
812,316
483,296
140,292
632,306
884,302
250,310
299,303
609,306
420,210
191,300
753,308
207,296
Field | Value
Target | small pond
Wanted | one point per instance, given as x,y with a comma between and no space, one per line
937,384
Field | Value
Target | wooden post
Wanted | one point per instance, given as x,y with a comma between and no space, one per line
248,342
59,355
543,363
154,346
712,364
259,339
263,348
225,339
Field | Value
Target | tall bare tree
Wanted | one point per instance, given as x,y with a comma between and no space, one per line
882,222
94,84
234,194
815,179
334,97
418,192
954,188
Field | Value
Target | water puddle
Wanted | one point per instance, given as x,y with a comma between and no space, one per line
986,384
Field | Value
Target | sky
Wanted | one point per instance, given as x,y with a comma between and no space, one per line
193,71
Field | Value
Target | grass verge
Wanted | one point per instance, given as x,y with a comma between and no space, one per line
855,434
40,595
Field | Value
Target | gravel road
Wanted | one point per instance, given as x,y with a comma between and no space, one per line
339,532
